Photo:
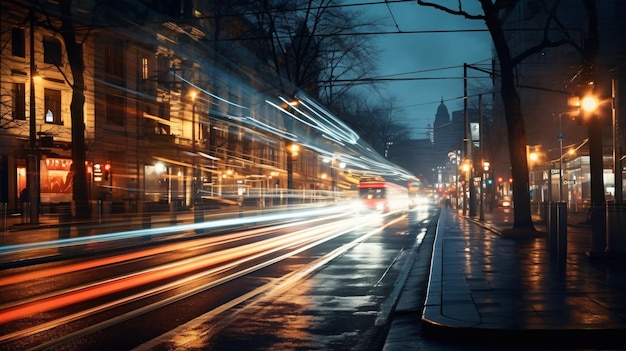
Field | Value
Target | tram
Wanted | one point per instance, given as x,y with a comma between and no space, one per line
417,191
383,196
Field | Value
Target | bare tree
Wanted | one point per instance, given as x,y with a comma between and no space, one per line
385,130
65,26
314,44
516,132
376,123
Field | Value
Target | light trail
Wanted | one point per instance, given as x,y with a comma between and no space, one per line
155,232
307,239
133,280
265,292
198,243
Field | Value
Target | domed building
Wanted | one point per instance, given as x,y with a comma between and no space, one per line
448,134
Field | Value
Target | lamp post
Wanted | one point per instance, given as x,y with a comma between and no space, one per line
560,137
588,106
465,168
481,145
198,215
292,153
33,152
482,190
617,164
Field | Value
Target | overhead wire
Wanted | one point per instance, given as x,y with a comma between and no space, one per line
393,18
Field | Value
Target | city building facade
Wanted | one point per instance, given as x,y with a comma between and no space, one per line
178,114
548,78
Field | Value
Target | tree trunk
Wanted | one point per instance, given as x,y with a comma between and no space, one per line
75,57
515,125
517,154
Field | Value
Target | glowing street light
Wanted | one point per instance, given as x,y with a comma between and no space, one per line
294,149
465,168
292,152
589,103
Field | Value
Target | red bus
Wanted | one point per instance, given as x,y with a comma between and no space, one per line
383,196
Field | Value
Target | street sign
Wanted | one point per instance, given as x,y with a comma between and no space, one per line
97,172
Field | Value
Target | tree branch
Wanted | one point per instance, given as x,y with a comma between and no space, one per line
459,12
546,42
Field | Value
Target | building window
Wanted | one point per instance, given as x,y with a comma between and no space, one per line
19,101
114,61
115,110
145,72
52,51
52,105
18,42
164,77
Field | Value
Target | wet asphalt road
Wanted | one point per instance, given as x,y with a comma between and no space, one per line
329,285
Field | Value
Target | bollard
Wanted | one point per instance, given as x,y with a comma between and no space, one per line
557,231
172,212
25,215
551,224
99,211
616,228
562,231
543,212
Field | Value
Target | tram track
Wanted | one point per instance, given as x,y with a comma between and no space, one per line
213,269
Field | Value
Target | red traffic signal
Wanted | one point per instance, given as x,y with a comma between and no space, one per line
107,171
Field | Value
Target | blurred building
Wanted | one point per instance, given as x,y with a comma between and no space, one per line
179,111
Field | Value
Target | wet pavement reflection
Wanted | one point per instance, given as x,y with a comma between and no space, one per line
337,308
513,288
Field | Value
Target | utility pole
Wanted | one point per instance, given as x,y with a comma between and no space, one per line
468,140
482,157
468,148
617,154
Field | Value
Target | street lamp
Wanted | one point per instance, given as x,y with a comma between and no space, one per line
588,104
33,152
292,152
482,190
465,168
198,215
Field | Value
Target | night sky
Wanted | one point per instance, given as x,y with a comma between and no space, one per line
428,55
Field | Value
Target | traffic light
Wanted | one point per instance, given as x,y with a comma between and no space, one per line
583,104
107,171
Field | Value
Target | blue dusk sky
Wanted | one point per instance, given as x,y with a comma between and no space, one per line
431,62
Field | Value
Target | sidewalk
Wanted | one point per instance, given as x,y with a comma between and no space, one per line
491,290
